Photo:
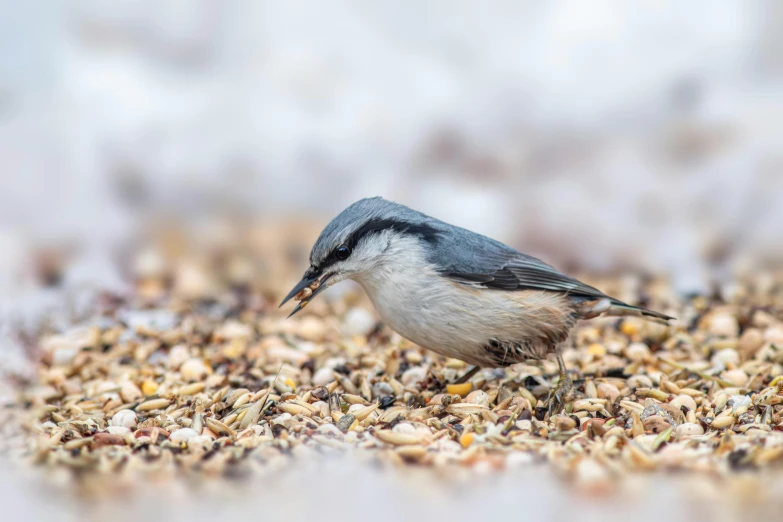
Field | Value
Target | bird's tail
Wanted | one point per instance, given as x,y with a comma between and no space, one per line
609,306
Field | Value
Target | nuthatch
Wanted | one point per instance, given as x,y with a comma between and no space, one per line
453,291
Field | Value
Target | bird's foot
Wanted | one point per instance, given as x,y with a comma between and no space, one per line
561,395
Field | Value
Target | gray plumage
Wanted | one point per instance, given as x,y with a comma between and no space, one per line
451,290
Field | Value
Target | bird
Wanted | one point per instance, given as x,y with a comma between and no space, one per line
456,292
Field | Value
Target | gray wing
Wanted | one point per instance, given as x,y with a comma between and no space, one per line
478,261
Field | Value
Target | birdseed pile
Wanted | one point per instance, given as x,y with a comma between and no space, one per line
221,384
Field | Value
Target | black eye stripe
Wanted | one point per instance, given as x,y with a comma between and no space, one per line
376,226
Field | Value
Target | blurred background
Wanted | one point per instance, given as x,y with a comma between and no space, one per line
602,136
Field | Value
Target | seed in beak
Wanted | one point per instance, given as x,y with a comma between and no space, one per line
315,285
304,293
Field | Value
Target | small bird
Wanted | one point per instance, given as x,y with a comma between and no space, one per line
453,291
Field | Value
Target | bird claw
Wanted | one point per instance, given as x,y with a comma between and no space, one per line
562,394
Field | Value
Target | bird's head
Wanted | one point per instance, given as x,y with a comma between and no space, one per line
359,240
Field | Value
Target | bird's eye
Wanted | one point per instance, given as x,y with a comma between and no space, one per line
342,252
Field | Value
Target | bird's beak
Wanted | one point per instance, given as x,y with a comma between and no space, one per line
310,277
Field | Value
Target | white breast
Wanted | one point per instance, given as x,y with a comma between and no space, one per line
424,307
456,320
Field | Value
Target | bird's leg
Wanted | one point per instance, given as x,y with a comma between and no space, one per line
563,391
470,373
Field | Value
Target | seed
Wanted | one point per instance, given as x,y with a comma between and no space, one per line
736,377
130,392
362,412
596,350
687,430
637,352
632,406
353,399
459,389
749,343
153,433
722,422
607,391
655,424
465,409
655,394
149,388
294,409
478,397
591,391
346,422
640,457
124,418
106,439
684,400
412,453
198,423
191,389
242,400
637,427
183,434
304,293
194,370
154,404
219,427
564,423
397,439
591,405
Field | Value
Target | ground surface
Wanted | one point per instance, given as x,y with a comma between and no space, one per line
197,399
